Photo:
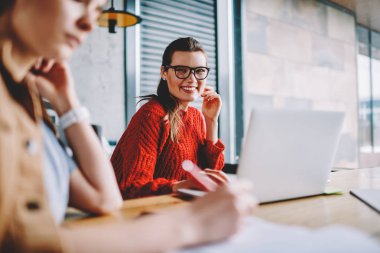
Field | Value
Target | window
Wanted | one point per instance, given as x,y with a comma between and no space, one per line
369,89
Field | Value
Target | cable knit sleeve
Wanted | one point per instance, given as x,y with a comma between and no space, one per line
135,156
211,155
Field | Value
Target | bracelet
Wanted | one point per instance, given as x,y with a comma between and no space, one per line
73,116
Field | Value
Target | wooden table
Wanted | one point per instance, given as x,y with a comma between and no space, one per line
332,209
312,212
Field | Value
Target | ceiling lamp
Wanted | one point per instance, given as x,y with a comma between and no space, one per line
111,18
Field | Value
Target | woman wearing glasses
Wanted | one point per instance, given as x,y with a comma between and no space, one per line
166,130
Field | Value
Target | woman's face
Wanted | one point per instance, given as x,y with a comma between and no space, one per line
53,28
189,89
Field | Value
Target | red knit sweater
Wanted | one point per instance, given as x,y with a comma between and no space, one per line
147,162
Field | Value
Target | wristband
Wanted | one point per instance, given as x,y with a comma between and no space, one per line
73,116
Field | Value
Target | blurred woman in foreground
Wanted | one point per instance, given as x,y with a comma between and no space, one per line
38,179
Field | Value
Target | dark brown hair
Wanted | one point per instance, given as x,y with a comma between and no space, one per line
5,5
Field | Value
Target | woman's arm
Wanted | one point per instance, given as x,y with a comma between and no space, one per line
212,154
96,175
193,224
212,104
211,130
93,187
135,156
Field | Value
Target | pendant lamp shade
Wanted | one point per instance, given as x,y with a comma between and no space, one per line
112,18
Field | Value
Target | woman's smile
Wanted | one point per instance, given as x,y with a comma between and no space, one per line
189,89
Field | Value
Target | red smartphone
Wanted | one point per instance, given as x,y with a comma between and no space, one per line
207,183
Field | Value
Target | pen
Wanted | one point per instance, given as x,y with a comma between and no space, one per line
199,175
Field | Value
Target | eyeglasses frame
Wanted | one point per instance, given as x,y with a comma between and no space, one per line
192,71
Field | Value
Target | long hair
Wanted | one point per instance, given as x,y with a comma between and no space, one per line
31,102
20,92
169,102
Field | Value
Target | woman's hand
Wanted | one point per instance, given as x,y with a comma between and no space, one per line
93,186
212,104
219,214
217,176
54,82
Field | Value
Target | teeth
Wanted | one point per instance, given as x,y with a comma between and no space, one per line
188,88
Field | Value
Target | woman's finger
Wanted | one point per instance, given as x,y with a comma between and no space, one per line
209,88
46,65
219,173
246,201
216,178
38,64
45,87
206,93
213,96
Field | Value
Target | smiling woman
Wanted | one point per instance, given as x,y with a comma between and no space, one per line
38,179
166,130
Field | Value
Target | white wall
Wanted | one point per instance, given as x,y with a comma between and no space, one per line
302,54
98,68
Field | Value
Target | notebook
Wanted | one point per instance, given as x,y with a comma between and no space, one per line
257,235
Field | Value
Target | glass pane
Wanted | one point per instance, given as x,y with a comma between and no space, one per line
363,40
375,43
376,103
375,53
364,103
362,34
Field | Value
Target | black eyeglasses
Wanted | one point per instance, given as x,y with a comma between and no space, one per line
183,72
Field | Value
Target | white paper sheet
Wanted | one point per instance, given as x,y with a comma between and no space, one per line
266,237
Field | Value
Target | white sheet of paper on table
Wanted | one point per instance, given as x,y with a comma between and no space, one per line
265,237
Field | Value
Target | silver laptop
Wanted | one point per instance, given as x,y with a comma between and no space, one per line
289,153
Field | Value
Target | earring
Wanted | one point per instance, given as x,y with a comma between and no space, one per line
164,79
